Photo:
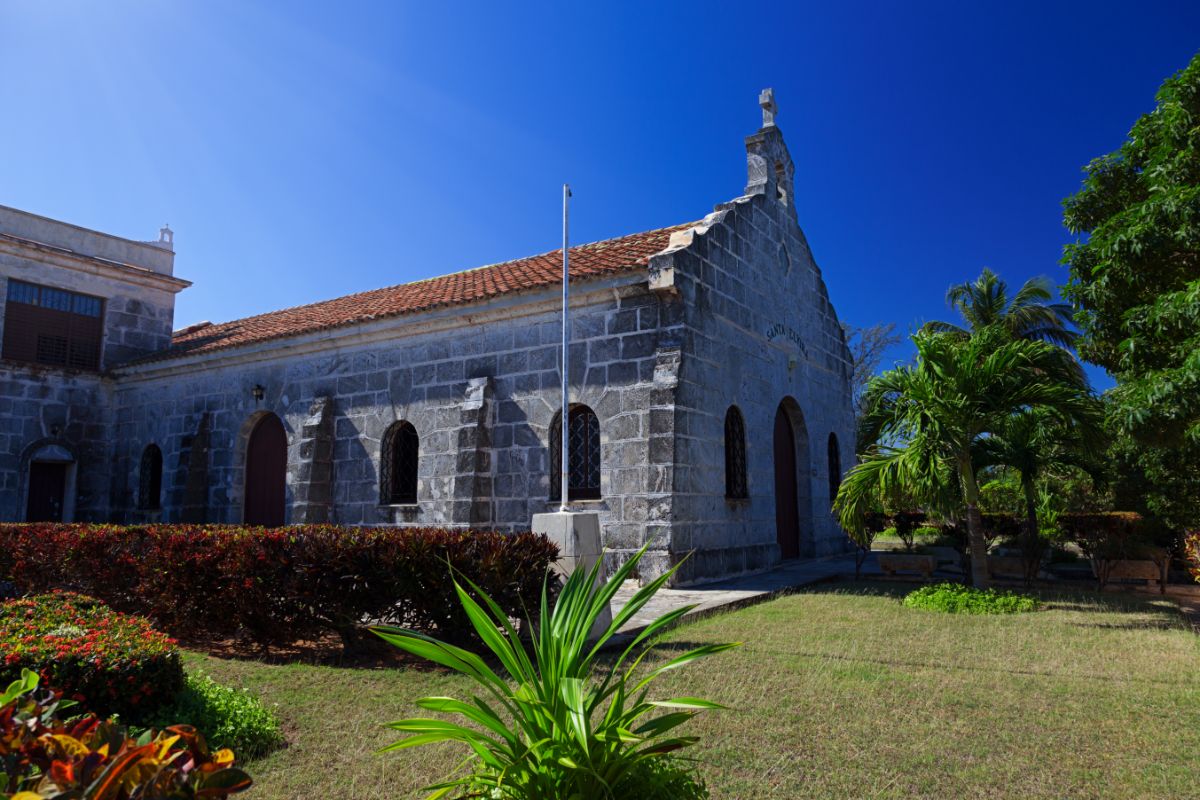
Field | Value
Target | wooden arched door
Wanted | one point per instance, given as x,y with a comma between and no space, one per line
787,513
266,473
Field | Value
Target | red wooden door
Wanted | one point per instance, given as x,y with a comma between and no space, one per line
787,516
266,474
47,491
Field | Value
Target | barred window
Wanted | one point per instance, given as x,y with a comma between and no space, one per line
43,325
150,479
398,479
583,455
835,467
735,455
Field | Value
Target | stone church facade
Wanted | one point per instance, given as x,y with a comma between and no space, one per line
709,377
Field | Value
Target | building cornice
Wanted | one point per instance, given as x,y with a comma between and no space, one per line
91,265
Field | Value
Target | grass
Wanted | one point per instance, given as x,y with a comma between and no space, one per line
839,692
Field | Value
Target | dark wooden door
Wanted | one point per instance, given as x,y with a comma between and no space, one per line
266,473
47,492
787,516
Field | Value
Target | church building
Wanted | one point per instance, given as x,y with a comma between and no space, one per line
710,388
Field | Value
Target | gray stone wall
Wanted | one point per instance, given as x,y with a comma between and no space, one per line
759,333
734,312
137,318
41,408
481,396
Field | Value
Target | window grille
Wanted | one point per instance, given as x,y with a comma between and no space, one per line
401,450
735,455
583,465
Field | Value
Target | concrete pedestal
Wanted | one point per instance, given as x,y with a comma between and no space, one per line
577,535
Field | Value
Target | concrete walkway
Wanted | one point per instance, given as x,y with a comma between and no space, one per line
726,595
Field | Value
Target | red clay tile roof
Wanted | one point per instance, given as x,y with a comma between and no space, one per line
588,261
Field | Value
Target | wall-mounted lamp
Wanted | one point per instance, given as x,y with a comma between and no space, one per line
258,392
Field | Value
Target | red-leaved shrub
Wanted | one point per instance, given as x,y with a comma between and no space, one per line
111,663
283,584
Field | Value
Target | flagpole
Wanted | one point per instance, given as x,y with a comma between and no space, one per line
564,418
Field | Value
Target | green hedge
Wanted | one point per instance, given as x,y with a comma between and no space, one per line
111,663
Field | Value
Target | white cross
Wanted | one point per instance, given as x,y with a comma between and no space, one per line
766,99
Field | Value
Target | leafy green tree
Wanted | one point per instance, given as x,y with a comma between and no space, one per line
1135,276
1029,314
1035,441
925,421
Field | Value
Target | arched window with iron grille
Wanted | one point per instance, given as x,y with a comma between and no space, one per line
150,479
583,478
398,466
835,467
735,455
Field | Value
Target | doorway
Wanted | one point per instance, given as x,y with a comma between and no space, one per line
793,483
47,491
787,515
266,474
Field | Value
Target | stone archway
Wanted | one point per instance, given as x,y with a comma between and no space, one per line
793,490
265,498
49,470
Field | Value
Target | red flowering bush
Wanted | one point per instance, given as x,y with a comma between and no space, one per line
111,663
283,584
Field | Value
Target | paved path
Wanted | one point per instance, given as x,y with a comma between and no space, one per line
733,592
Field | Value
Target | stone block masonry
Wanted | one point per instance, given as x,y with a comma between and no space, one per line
669,330
482,398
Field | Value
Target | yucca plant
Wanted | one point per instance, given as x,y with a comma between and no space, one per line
564,723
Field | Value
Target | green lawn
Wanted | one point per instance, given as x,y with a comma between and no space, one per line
838,692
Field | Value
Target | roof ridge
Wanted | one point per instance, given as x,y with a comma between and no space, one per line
418,282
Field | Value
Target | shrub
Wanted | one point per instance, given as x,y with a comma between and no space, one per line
906,524
42,756
279,585
228,717
566,724
954,598
1191,545
111,663
1109,537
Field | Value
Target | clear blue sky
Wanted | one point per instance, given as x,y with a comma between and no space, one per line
307,150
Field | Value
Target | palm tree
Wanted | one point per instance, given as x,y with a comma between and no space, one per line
1034,441
923,422
984,302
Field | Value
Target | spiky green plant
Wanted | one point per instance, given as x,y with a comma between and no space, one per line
564,723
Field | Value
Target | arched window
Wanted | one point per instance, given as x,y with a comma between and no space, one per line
835,467
398,478
150,475
583,479
735,455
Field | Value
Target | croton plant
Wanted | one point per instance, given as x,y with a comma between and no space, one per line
46,757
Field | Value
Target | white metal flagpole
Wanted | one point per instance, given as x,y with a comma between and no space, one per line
564,418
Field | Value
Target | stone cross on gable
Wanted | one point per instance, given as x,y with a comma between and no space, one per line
766,99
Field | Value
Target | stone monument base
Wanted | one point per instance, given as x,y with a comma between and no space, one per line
577,534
